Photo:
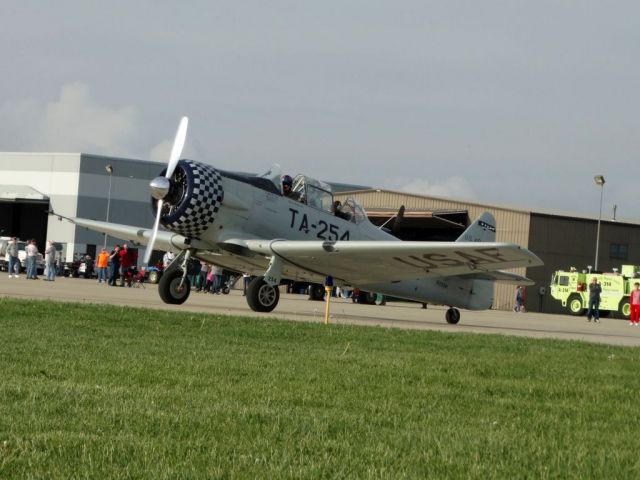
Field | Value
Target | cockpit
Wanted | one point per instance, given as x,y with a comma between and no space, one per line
317,194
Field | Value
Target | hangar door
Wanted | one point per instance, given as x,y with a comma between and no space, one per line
418,225
23,214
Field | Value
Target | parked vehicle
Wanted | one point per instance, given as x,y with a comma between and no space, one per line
22,255
571,288
153,273
82,266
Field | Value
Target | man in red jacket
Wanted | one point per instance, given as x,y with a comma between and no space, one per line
128,259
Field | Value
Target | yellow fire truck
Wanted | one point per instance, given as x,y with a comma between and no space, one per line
572,289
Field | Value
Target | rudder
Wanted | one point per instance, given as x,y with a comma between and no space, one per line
483,229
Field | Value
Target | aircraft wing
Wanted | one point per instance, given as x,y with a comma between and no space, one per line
142,236
360,262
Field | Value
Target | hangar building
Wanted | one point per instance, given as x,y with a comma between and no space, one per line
116,189
73,185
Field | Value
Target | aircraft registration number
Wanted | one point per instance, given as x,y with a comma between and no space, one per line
322,229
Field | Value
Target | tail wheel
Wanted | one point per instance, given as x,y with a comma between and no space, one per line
452,316
261,296
575,305
170,290
624,309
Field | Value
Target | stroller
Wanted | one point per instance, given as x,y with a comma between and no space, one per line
132,277
137,278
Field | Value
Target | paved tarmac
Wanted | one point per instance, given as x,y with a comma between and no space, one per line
297,307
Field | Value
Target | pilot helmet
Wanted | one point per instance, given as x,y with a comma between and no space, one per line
286,180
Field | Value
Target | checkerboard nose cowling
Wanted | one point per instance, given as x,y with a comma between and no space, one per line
194,199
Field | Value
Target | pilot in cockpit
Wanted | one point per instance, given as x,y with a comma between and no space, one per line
287,191
339,212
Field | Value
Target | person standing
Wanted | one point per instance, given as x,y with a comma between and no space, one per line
634,304
32,258
50,261
217,279
102,262
594,300
167,258
128,260
14,260
519,298
202,279
114,264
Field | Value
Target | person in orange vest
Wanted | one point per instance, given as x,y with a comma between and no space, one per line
102,263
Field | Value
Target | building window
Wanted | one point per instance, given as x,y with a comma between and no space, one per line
618,251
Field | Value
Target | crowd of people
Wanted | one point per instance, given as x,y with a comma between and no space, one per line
51,260
206,277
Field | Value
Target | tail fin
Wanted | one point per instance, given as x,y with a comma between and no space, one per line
483,229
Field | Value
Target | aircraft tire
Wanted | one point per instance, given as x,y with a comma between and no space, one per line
168,288
261,296
452,316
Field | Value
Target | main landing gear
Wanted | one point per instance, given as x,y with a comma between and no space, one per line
174,286
261,296
453,315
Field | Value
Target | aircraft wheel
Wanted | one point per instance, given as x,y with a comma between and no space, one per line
575,305
170,290
261,296
453,316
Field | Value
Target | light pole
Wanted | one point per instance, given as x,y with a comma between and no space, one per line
599,179
109,169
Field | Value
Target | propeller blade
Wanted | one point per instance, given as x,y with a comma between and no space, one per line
156,225
178,145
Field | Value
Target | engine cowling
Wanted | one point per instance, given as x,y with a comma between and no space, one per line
193,200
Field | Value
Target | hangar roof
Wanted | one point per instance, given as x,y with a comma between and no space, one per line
520,209
20,192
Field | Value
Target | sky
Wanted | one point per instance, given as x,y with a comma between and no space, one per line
506,102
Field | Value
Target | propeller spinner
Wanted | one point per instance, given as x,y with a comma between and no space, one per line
160,186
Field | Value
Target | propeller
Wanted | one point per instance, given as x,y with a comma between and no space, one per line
160,186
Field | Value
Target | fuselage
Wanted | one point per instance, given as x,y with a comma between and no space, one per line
251,212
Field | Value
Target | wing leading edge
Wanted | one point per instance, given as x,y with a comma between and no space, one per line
142,236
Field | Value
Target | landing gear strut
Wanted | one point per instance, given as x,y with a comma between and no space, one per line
453,315
261,296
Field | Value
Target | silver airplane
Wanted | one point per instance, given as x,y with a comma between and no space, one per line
250,224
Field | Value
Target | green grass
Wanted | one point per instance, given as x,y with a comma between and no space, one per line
106,392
